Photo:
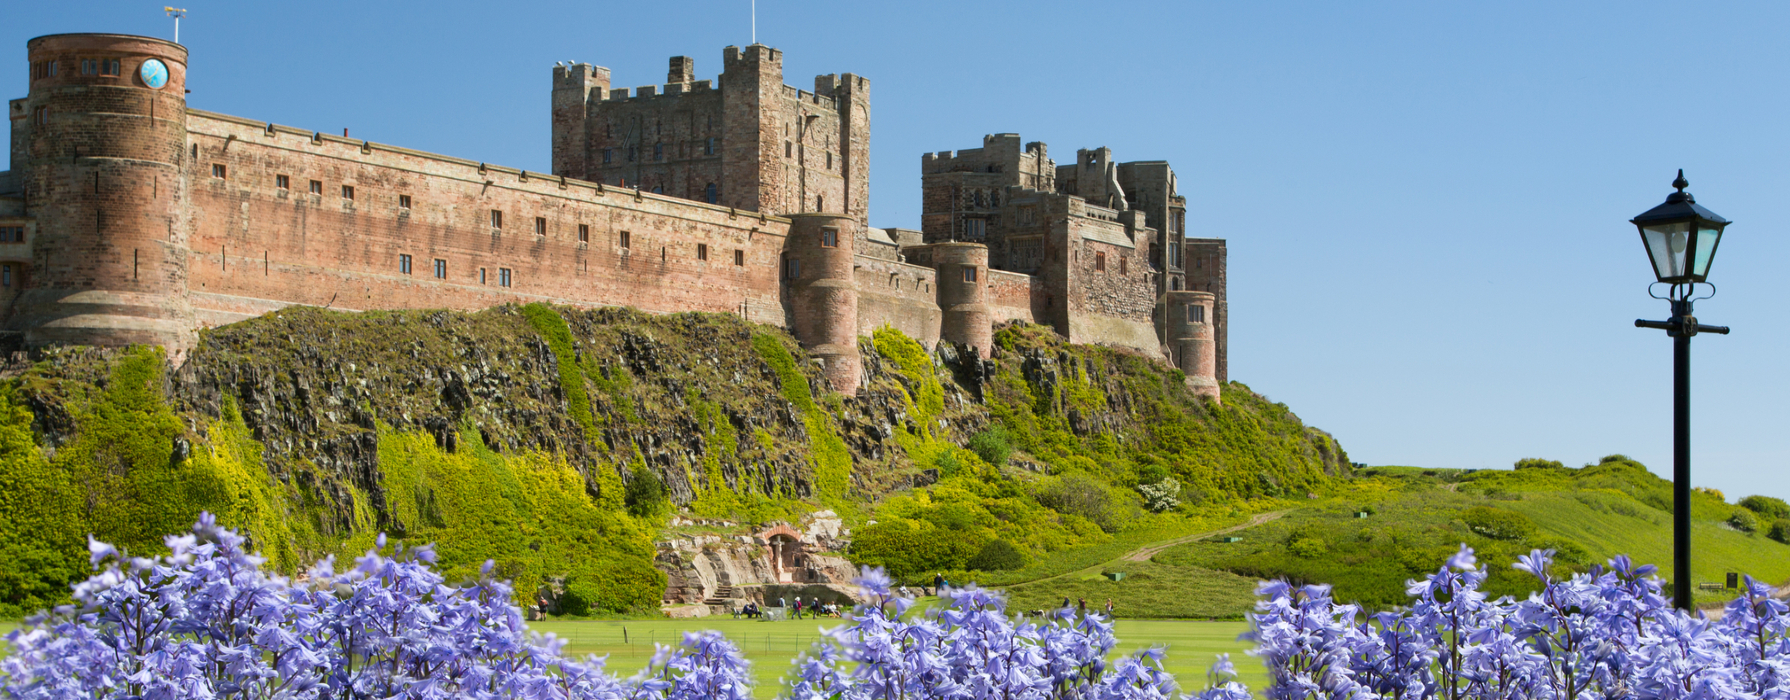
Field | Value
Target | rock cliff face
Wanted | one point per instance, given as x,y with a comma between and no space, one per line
516,434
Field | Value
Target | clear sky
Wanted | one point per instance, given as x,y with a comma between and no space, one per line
1426,203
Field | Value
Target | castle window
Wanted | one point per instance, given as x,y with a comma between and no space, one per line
975,229
89,66
1124,264
317,187
658,189
1099,262
1174,284
710,194
12,234
540,225
708,146
820,203
633,153
608,156
110,66
217,170
283,182
969,273
994,199
658,151
792,269
404,264
829,160
503,277
41,116
789,150
1196,313
481,275
739,258
702,251
1027,215
348,192
584,233
496,218
829,238
403,201
440,269
626,240
6,275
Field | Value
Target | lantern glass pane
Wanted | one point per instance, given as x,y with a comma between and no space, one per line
1707,238
1666,244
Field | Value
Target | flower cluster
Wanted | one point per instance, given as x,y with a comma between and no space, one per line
971,649
205,621
1607,633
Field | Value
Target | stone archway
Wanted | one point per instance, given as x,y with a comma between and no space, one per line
788,555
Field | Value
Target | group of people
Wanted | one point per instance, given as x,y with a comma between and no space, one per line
811,607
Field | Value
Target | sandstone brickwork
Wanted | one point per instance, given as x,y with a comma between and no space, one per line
139,219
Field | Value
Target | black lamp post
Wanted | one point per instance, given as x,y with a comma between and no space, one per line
1681,239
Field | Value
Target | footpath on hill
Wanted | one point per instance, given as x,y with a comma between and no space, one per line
1144,552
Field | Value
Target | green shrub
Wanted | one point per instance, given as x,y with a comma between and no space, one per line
991,445
1079,494
1309,547
579,599
646,493
1499,524
997,555
1780,530
1743,520
1534,463
948,464
1767,507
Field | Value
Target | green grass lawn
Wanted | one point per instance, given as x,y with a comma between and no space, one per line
1147,590
771,646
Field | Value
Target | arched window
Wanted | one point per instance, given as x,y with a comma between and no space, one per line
820,203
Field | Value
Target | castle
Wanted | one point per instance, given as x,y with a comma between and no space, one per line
127,217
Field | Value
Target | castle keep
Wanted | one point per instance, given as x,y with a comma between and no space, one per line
128,217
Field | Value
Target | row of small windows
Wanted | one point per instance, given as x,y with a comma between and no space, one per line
12,234
89,66
633,152
504,275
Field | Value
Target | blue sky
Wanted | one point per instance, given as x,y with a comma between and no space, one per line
1426,203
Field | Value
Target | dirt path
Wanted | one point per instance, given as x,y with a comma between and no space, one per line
1145,552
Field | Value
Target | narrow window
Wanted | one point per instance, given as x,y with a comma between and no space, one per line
633,151
283,182
739,258
41,116
702,251
217,170
1196,313
89,66
627,240
6,275
789,150
317,187
110,66
1124,264
540,225
658,151
608,156
829,238
829,160
481,275
1100,262
440,269
404,264
792,269
496,218
403,201
820,203
584,233
708,146
710,194
348,192
503,277
969,273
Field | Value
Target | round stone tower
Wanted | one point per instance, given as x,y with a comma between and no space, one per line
1191,339
823,293
963,295
106,148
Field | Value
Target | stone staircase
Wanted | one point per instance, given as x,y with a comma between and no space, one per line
725,596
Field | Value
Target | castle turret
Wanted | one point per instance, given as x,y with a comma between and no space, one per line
1191,340
574,87
106,184
823,293
963,295
753,132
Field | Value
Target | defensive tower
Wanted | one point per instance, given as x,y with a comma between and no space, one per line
823,293
962,295
106,184
1191,338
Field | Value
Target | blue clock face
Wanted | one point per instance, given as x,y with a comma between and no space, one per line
155,73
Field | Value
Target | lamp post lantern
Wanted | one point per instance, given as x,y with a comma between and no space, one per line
1681,238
